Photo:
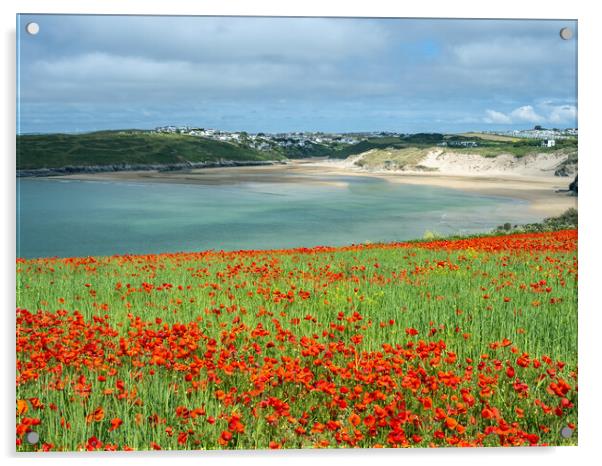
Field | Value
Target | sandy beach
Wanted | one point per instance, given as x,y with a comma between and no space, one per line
546,195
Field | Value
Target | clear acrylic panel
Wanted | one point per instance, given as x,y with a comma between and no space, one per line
269,232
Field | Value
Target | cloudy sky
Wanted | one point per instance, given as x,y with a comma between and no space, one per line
82,73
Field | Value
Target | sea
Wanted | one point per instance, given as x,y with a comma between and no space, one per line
65,218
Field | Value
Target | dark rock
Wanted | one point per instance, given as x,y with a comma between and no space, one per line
573,186
70,170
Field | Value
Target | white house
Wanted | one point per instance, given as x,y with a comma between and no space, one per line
548,143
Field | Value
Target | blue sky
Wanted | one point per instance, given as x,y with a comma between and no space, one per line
83,73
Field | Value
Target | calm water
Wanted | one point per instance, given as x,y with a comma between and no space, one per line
80,218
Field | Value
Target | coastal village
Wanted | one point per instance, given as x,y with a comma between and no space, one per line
265,141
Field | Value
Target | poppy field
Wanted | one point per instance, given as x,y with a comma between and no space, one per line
448,343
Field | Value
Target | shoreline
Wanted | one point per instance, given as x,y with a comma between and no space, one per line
544,194
117,168
547,195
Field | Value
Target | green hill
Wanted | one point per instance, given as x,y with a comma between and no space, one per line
138,147
126,147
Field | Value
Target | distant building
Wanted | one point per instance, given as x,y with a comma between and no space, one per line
548,143
462,144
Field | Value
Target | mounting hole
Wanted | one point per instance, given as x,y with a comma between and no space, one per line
566,432
32,28
32,437
566,33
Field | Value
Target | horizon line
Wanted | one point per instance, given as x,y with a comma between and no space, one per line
34,133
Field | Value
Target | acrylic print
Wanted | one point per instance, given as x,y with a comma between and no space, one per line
263,233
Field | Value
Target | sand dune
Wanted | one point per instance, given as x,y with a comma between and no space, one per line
452,162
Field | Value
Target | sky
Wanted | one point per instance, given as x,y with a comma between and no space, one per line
85,73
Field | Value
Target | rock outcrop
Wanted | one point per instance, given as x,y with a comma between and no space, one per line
573,186
70,170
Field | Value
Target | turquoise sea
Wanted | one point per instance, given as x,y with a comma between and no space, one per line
58,217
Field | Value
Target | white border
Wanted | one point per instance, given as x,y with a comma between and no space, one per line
590,235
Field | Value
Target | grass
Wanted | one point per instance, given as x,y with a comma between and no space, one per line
470,342
518,150
411,157
125,147
490,137
144,147
370,144
487,147
395,159
567,220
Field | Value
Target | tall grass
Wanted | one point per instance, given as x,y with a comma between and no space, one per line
171,331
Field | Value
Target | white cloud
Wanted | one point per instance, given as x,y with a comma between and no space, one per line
556,114
563,113
231,39
338,70
497,117
527,114
107,76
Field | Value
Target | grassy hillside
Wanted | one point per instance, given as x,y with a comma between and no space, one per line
518,149
141,147
303,152
369,144
419,140
490,137
487,146
565,221
119,147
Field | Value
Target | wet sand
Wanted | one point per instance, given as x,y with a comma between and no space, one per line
542,193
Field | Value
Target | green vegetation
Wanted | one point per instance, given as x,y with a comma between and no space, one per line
490,137
272,349
126,147
419,140
520,148
486,146
306,151
145,147
564,221
393,159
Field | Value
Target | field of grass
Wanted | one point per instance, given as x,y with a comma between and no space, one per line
490,137
468,342
123,147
